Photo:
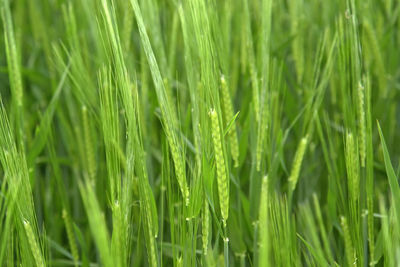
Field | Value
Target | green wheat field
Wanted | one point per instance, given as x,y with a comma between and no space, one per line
199,133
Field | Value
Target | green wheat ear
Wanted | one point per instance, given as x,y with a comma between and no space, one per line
12,55
362,124
229,113
256,90
352,165
71,236
298,158
262,133
223,182
349,249
37,254
205,224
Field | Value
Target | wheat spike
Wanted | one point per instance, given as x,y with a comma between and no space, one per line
362,126
205,226
298,158
223,182
71,236
229,113
37,254
350,254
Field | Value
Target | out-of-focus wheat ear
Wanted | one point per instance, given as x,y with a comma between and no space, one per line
205,224
243,50
259,151
70,236
117,242
14,72
90,156
374,51
352,165
296,166
249,53
36,252
12,55
262,131
362,126
222,179
229,113
256,90
349,250
295,9
127,26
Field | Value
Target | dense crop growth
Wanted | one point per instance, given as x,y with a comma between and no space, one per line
199,133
